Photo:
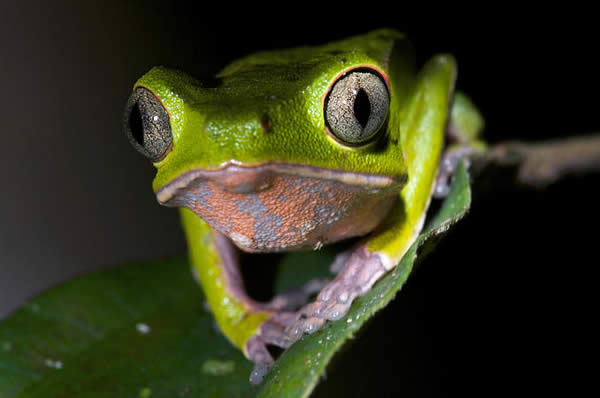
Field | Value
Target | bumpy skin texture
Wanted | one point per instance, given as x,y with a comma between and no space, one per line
254,165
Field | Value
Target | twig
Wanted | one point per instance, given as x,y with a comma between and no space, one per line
543,163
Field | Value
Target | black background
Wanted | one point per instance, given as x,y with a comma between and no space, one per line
507,303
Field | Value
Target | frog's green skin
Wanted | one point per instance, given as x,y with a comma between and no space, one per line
254,157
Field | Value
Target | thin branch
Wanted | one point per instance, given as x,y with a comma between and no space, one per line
543,163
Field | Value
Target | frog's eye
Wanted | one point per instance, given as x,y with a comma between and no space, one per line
147,125
356,106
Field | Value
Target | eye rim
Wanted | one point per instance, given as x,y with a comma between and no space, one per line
165,133
373,69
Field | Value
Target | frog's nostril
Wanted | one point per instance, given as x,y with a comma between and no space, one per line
265,123
147,124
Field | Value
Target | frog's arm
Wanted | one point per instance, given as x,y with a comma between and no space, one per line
215,268
422,142
422,122
248,324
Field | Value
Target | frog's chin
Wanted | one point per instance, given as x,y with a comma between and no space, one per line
280,207
237,178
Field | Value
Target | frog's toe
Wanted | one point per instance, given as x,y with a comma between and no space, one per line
304,325
313,316
259,372
448,165
256,349
358,274
294,299
271,332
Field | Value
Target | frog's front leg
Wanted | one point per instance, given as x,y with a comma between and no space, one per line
358,274
248,324
359,270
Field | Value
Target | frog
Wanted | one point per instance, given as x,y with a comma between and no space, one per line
293,149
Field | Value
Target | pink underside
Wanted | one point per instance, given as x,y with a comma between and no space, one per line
268,211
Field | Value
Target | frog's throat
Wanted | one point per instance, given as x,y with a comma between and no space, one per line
238,178
280,207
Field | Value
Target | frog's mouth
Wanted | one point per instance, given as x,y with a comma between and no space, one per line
246,179
275,207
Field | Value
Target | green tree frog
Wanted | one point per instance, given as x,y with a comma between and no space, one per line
292,150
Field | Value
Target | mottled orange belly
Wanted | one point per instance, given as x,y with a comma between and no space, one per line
262,209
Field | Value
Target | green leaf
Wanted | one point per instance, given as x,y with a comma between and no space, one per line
142,331
134,331
299,368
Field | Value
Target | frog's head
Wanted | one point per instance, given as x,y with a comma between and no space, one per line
284,149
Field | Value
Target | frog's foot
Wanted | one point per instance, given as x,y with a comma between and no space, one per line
293,299
271,332
360,271
448,166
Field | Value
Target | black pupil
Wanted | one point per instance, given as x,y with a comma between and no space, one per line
136,125
362,108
